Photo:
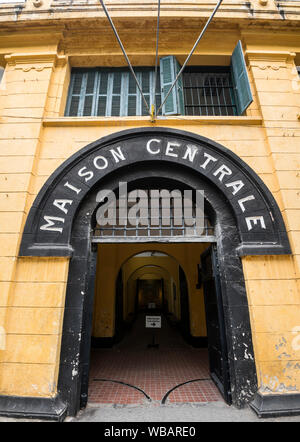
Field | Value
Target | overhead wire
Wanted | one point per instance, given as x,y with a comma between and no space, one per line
153,110
125,54
189,56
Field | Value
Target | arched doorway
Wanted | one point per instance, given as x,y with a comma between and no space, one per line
244,215
143,359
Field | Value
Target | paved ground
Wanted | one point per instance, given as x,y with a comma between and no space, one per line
204,412
187,413
154,371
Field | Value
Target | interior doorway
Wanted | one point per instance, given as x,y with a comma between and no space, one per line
132,361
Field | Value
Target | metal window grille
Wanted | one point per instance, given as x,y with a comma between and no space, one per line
208,91
113,92
145,230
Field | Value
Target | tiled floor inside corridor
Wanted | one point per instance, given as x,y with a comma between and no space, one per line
155,371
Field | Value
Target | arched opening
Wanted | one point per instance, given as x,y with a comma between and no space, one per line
152,349
243,219
233,301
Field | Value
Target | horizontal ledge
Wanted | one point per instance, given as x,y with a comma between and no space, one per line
145,121
141,240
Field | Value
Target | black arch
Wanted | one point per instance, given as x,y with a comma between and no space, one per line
232,242
268,239
75,348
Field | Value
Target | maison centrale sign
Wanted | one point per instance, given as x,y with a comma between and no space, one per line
53,212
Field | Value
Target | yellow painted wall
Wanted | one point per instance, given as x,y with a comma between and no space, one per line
37,51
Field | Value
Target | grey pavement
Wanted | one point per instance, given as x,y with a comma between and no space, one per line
204,412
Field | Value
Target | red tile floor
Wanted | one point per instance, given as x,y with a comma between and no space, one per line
153,370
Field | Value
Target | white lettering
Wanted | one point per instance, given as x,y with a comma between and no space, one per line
223,170
209,159
61,204
117,155
255,220
170,149
153,152
190,152
67,184
89,174
102,159
236,185
49,220
243,200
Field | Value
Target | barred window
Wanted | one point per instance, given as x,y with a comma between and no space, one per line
114,93
208,91
203,91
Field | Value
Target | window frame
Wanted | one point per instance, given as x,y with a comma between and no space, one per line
124,93
213,70
238,84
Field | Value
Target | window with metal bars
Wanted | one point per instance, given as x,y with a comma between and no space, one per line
208,91
114,93
166,224
204,91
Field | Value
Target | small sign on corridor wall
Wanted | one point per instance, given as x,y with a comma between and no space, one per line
153,321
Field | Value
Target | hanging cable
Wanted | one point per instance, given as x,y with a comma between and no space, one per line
153,110
125,55
189,56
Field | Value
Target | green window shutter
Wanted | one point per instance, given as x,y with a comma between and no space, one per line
240,79
82,93
169,67
74,94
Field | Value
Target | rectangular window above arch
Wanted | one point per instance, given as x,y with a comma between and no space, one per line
199,91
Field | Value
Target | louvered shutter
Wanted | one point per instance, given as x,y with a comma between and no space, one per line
169,67
240,79
74,94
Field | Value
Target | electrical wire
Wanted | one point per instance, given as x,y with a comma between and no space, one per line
124,383
156,59
189,56
125,54
180,385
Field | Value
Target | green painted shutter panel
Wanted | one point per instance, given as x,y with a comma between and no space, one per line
240,79
74,94
169,67
145,83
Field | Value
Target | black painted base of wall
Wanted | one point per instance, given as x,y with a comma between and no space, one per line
276,405
33,408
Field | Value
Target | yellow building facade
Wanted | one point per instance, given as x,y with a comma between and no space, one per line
42,43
